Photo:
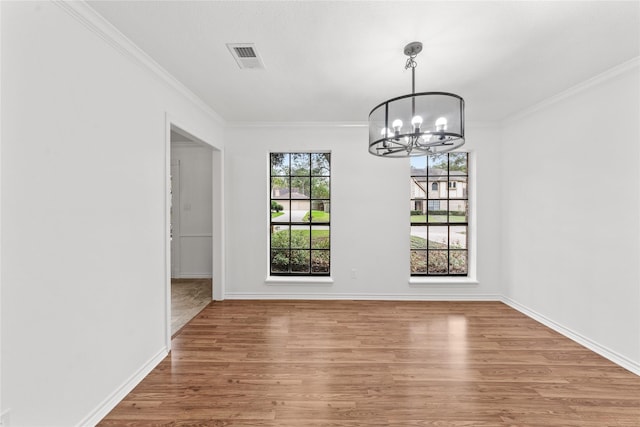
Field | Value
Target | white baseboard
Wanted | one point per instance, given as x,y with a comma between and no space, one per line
372,297
110,402
193,276
603,351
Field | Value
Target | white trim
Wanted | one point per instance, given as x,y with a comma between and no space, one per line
298,280
297,125
167,231
1,407
97,24
603,351
593,81
190,235
354,124
193,276
116,397
441,281
363,297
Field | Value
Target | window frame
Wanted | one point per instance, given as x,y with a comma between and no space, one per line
469,273
310,275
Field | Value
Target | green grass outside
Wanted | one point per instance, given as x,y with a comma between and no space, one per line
276,214
317,216
438,218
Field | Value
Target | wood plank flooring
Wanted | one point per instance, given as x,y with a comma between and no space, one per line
377,363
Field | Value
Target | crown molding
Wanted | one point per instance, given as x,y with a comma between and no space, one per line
593,81
97,24
362,124
333,125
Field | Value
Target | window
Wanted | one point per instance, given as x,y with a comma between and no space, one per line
439,235
434,186
300,201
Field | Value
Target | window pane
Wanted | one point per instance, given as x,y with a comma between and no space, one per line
457,163
458,237
320,261
320,211
437,187
418,211
458,187
458,262
418,237
438,237
300,164
279,236
320,164
280,210
299,261
458,211
300,237
300,187
419,187
318,215
438,210
438,165
419,165
300,210
437,262
279,163
320,188
320,237
279,261
418,261
279,188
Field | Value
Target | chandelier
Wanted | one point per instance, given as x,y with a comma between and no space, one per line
418,124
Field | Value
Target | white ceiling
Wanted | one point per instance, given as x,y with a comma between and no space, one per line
335,60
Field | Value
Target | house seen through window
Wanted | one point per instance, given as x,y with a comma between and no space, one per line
300,201
439,215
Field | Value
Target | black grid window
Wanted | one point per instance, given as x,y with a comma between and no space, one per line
300,201
439,227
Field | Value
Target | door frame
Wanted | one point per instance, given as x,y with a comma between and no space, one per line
217,231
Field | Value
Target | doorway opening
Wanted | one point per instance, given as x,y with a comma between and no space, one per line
191,222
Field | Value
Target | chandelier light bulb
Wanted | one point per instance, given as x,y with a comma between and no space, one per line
386,132
416,121
397,125
441,124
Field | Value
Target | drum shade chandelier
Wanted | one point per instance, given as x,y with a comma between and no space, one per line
418,124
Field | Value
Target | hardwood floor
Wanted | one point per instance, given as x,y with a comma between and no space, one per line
366,363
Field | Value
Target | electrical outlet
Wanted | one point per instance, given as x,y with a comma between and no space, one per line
4,419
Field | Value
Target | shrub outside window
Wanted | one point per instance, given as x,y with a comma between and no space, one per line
300,211
439,234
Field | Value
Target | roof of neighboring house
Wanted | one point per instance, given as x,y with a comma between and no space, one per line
284,194
419,175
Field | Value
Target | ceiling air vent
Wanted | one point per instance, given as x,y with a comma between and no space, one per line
246,55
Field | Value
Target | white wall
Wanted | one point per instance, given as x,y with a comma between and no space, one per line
83,214
369,216
571,238
194,242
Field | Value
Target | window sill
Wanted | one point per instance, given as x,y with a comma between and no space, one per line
298,280
442,281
